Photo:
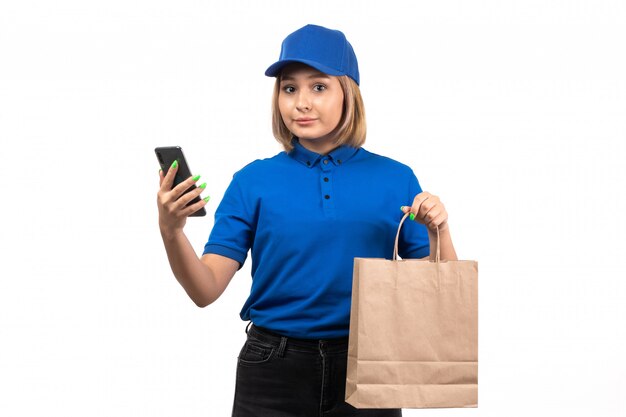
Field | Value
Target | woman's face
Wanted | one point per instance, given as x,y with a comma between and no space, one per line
310,103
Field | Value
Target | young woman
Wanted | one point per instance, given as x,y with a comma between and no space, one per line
305,214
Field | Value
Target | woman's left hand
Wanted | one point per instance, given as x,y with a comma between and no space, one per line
428,210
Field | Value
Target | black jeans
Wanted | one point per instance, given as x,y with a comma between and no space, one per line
279,376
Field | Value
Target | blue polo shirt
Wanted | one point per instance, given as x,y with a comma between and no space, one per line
305,217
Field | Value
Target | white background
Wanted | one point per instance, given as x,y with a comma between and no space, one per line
512,112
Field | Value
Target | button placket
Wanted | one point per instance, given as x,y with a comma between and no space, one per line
326,177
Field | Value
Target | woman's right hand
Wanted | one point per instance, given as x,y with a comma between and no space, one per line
171,201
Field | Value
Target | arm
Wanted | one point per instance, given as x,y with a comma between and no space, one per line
203,279
446,247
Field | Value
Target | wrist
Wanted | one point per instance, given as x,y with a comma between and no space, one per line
443,229
170,234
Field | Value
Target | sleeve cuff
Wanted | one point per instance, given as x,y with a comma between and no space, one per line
226,251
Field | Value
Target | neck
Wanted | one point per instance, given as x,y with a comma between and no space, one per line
317,146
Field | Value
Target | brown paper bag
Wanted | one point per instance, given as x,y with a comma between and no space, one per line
413,333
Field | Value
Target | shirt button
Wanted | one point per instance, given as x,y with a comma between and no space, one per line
325,179
326,196
338,161
325,161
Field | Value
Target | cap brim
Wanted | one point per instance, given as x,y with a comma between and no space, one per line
275,69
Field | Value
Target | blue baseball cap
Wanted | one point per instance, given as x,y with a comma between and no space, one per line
326,50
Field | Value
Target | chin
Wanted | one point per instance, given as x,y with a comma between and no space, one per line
310,136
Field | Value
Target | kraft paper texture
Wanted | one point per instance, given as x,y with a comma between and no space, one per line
413,334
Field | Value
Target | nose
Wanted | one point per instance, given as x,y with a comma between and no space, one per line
303,103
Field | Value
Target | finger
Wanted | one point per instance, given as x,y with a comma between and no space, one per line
417,203
187,197
169,177
437,221
181,188
195,206
427,206
161,176
431,215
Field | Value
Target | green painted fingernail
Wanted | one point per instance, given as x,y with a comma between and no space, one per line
203,185
401,208
412,216
206,199
175,164
196,178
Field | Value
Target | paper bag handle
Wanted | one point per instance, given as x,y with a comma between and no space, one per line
395,246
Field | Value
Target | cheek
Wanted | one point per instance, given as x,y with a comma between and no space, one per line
283,107
337,108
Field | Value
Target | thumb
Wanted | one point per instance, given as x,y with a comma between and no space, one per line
405,209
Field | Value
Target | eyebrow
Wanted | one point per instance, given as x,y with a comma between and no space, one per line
317,75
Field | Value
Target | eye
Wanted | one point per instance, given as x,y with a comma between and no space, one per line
289,89
319,87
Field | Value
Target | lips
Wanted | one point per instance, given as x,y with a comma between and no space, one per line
303,121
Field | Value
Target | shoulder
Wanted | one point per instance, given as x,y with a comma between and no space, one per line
261,167
384,163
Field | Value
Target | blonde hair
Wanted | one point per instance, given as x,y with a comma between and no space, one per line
351,129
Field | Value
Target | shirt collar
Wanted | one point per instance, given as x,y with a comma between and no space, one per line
310,158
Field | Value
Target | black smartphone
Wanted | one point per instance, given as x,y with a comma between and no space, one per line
166,156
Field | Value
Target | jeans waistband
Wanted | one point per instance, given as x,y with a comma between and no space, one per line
314,345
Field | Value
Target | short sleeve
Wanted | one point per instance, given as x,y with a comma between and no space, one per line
233,230
413,242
